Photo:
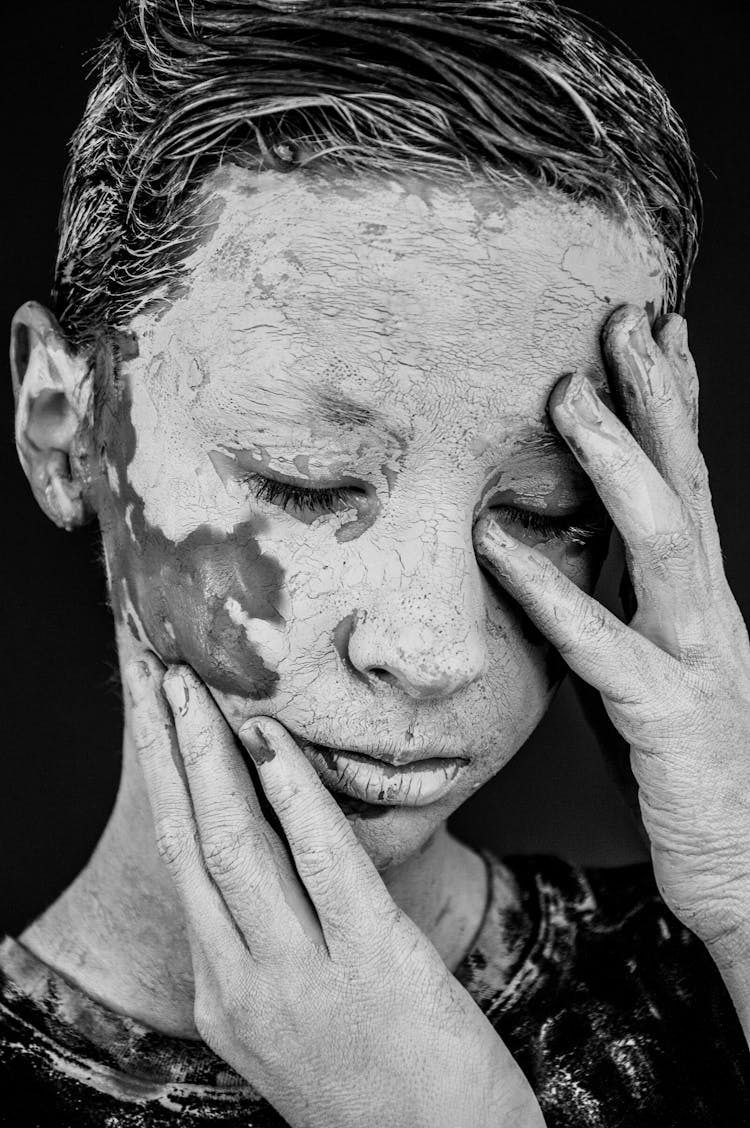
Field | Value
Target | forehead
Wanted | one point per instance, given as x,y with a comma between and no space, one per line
405,289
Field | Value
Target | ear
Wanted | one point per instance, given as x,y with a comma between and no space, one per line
53,389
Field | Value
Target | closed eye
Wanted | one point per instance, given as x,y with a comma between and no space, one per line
323,499
579,527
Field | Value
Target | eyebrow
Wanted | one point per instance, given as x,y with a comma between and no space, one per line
548,441
342,411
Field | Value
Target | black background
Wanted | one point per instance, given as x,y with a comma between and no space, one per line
61,722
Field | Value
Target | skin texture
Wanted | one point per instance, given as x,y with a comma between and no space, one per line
320,305
425,628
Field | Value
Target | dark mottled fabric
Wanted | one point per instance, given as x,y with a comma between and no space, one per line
614,1011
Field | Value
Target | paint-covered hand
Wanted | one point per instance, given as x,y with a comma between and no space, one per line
309,981
674,680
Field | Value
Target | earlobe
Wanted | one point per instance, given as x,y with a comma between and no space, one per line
52,387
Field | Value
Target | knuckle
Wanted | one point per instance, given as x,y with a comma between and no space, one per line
286,800
665,548
194,750
223,849
175,844
151,739
696,477
592,625
317,859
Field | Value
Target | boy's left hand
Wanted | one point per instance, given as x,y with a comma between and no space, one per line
675,680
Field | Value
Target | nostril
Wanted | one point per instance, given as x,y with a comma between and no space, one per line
382,674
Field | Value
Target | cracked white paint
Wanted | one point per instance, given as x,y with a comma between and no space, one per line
265,638
452,314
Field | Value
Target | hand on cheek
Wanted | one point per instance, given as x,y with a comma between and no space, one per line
302,960
675,681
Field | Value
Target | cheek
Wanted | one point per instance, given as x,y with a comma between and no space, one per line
197,600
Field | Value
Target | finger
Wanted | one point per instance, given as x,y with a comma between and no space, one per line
615,660
343,884
174,825
658,389
241,850
665,556
671,336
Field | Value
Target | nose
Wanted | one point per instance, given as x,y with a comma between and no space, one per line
428,641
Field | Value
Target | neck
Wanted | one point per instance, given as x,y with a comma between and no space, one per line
118,931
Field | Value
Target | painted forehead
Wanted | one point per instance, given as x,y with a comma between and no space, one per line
295,237
340,285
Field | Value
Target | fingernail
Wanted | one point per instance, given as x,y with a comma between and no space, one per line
493,535
581,398
640,338
256,744
176,692
136,676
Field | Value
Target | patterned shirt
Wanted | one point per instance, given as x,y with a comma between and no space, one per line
614,1011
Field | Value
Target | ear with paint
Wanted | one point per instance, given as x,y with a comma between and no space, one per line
52,387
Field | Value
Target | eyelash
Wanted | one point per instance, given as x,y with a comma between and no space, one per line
330,499
556,528
283,494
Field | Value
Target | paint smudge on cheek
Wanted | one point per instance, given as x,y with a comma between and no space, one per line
368,510
181,590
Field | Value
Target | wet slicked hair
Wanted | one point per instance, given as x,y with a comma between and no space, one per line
506,89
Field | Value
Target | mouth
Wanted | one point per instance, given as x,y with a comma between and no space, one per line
379,782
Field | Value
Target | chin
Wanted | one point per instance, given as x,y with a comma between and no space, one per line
390,835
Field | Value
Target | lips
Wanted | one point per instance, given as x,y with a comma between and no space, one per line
375,780
384,757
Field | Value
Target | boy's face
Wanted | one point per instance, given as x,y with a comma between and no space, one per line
392,345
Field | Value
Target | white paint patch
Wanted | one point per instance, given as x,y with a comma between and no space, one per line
265,638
